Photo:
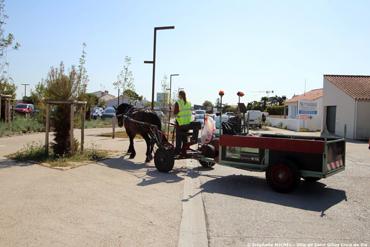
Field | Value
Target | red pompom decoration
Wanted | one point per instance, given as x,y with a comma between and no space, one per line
240,94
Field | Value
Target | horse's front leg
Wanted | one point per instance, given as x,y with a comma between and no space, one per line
148,149
131,148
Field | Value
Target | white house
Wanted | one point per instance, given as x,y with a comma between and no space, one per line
304,112
346,106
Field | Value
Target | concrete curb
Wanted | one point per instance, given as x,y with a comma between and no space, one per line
193,230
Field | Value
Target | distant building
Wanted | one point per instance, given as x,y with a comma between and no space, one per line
125,99
163,98
104,95
304,112
346,106
198,107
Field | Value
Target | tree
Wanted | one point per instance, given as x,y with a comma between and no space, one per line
27,99
229,108
91,100
6,41
38,95
125,79
164,85
62,86
264,103
254,105
82,77
7,87
132,95
217,103
208,106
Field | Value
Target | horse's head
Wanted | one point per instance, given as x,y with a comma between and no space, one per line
121,110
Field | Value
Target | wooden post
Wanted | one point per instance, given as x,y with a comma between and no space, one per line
83,127
113,127
47,129
71,127
0,107
7,105
5,111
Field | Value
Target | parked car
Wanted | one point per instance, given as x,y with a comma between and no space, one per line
97,112
254,118
199,116
213,116
109,112
24,108
218,120
200,112
230,114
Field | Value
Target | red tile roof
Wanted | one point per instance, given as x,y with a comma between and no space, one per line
310,95
356,86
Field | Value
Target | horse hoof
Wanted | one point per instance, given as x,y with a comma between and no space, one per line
132,156
147,160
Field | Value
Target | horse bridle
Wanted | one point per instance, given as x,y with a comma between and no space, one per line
127,113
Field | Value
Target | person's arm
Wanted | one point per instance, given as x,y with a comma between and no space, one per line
176,109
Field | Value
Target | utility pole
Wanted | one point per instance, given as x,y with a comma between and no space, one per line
118,97
25,88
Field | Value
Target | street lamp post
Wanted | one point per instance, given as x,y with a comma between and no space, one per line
154,57
221,93
169,105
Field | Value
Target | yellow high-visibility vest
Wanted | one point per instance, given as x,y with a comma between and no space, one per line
184,115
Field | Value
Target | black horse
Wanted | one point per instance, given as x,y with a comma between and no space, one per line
133,128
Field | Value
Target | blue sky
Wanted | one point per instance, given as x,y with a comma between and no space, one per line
245,45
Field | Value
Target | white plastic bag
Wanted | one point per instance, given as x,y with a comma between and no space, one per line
208,130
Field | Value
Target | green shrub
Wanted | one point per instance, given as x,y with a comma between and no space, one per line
275,110
30,152
98,123
20,125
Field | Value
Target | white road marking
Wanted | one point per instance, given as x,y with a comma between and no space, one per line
193,230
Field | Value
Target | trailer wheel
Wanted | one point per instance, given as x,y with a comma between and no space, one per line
164,159
282,177
207,164
311,179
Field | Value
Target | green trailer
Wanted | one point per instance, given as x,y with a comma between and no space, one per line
284,159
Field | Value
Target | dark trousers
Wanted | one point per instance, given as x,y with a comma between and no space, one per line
182,134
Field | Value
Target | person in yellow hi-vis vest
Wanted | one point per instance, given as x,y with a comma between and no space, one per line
183,113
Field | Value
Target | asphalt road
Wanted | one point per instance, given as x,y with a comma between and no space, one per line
121,202
241,209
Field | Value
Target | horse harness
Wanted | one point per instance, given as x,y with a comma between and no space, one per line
154,133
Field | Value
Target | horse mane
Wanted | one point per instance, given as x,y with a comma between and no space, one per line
145,115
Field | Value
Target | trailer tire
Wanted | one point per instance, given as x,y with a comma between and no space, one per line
311,179
164,159
207,164
282,177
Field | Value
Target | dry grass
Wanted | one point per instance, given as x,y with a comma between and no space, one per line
35,152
